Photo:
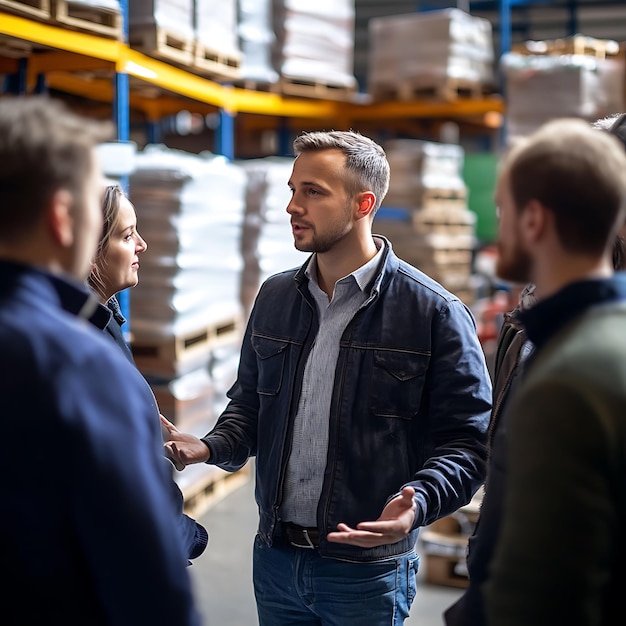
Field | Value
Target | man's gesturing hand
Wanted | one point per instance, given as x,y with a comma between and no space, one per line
394,524
183,449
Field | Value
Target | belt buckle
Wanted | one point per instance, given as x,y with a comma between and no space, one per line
309,545
305,534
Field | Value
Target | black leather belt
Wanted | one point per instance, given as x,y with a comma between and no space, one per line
301,537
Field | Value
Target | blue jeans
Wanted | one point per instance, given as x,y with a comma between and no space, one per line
298,587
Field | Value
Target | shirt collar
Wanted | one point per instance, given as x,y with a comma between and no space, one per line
363,275
114,306
547,317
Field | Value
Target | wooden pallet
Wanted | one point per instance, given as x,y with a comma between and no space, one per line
449,90
210,486
257,85
173,355
78,16
444,220
36,9
578,44
313,88
212,62
158,42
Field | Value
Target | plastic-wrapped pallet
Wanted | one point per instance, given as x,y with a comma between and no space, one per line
172,15
267,242
216,24
544,87
315,42
216,45
163,28
256,40
190,211
437,52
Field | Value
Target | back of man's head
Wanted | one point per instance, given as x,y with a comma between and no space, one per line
576,173
44,148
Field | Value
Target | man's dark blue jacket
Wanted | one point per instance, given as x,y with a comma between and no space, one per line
87,533
410,403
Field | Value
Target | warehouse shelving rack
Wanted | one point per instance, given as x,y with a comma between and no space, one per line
107,70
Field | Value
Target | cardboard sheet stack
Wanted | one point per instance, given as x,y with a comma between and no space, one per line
256,40
315,41
440,51
562,81
267,240
425,214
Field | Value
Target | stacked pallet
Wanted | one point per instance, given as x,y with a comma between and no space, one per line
425,214
314,48
216,47
185,312
189,210
441,55
163,29
267,241
443,545
98,17
573,77
256,40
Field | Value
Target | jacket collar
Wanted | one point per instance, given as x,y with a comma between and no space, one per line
63,291
547,317
387,268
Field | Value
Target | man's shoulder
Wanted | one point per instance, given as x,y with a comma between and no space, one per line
51,337
414,279
281,281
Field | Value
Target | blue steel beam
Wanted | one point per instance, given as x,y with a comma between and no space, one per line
121,114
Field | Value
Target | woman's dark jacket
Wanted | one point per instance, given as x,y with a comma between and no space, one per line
195,537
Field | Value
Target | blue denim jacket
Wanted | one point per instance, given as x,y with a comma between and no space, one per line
410,403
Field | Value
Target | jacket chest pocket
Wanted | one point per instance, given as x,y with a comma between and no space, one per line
270,355
398,383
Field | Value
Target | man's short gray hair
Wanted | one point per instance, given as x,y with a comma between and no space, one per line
366,161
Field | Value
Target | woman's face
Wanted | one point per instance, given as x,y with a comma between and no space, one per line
120,258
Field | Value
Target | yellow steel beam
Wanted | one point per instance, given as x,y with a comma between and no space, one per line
60,38
200,89
425,109
102,90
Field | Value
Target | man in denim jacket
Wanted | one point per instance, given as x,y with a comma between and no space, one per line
363,393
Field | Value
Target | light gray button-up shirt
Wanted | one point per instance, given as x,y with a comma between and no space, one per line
305,469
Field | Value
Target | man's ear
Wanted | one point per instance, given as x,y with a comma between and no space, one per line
366,202
60,219
536,220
